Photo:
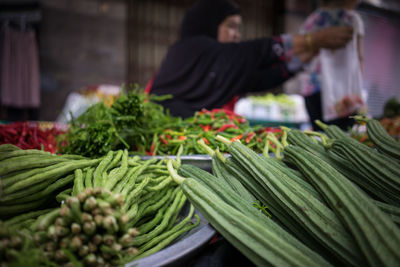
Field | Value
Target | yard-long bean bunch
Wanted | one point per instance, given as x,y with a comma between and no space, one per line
114,208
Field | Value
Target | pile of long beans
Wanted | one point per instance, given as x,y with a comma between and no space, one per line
31,178
90,226
114,209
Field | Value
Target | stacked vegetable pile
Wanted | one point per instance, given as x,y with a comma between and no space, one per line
332,200
26,135
206,125
114,209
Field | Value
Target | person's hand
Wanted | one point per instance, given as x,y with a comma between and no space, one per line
332,37
307,46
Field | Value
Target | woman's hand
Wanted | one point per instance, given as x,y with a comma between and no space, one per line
308,45
331,38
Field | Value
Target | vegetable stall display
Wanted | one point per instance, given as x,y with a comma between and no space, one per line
324,199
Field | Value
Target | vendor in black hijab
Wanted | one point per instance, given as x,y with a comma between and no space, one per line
209,65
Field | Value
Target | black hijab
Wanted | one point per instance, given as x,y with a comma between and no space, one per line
204,17
200,72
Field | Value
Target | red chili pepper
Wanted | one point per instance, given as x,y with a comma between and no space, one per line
229,112
152,149
35,139
216,110
237,137
164,141
204,111
363,138
206,141
168,136
10,130
206,128
182,137
272,130
226,126
249,137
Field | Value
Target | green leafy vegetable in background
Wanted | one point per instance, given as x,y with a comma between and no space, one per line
127,110
133,119
91,134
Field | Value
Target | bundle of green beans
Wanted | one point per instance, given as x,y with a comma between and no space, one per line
149,201
91,226
17,248
31,178
152,202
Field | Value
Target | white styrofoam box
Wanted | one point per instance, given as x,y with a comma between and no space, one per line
273,111
244,107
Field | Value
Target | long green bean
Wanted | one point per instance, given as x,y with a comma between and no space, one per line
8,148
59,183
21,152
21,194
28,162
26,216
131,183
146,227
58,172
63,195
89,178
10,180
78,182
115,161
121,171
133,195
175,215
156,240
7,210
128,177
162,226
98,173
162,196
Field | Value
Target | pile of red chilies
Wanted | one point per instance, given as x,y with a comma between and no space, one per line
27,136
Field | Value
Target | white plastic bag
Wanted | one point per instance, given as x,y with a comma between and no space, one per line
341,82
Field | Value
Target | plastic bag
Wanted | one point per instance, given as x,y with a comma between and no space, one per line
341,82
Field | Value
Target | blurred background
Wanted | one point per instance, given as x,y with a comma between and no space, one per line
83,45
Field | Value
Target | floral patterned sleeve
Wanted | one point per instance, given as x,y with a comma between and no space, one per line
292,61
313,22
